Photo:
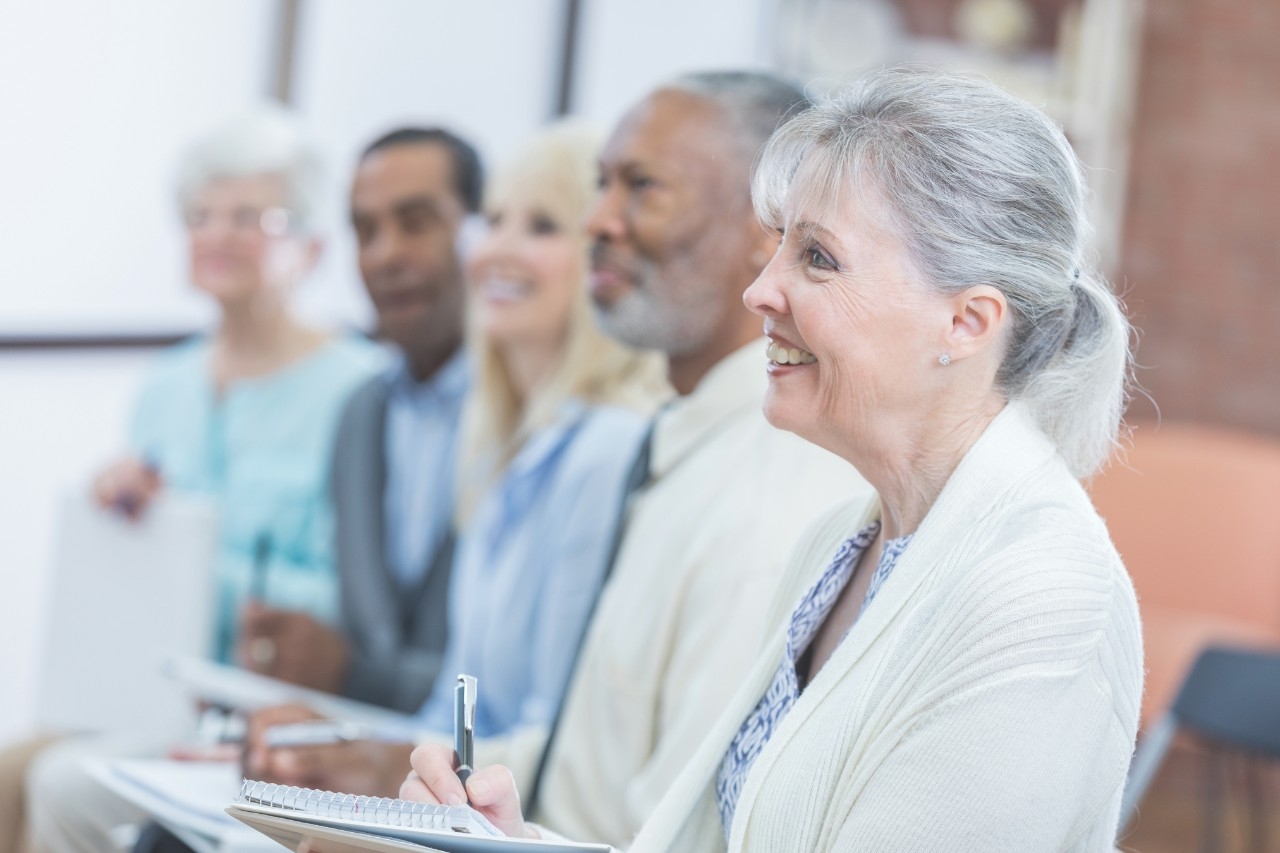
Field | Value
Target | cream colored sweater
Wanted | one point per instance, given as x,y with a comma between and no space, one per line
986,701
684,615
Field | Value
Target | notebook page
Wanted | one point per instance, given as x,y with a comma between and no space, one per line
380,811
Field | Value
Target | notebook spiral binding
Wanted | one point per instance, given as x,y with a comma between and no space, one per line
378,810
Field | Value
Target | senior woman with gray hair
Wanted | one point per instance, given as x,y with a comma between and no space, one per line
244,415
958,667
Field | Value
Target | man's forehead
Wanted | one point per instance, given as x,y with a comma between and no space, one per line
670,126
418,167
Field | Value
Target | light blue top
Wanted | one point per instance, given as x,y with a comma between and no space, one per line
784,690
421,449
529,566
261,450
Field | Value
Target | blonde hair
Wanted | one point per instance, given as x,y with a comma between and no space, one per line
558,170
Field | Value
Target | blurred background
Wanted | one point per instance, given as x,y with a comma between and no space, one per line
1174,105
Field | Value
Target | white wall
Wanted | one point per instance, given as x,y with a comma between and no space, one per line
481,68
98,98
628,47
113,91
106,96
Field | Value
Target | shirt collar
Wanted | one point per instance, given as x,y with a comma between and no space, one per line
448,383
545,442
733,387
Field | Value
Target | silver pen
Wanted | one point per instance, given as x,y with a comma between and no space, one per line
464,726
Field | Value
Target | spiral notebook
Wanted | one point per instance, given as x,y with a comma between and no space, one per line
325,820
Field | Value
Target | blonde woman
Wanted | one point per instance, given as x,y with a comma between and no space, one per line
554,422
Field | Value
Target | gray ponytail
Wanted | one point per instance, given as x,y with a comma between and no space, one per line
982,188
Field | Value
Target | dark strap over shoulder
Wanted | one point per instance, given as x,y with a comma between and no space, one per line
637,479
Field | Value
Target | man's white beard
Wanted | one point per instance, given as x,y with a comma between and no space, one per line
676,327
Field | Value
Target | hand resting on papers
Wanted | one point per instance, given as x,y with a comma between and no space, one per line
491,790
368,767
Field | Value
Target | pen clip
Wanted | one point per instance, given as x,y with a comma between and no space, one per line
467,683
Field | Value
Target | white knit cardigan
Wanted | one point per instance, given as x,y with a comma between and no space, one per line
987,700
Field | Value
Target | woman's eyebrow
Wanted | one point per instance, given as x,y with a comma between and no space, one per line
809,229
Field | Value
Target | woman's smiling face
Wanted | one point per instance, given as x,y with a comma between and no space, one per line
526,273
854,334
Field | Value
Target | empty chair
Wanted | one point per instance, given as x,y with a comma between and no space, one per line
1231,697
1193,512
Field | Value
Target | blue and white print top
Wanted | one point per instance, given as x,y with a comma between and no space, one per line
784,690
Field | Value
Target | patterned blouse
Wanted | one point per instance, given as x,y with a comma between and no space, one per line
784,690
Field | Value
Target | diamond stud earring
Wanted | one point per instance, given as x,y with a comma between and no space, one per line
944,359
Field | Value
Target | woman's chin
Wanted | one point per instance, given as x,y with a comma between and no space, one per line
780,414
226,292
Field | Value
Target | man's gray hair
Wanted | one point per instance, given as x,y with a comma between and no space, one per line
755,103
265,141
983,189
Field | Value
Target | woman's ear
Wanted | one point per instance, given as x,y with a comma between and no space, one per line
977,319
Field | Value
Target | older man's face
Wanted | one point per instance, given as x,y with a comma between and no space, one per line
669,231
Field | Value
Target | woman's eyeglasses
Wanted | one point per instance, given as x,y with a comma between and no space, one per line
271,221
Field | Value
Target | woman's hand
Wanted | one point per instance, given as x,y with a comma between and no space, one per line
491,790
128,486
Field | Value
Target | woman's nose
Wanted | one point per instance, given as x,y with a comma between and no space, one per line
766,295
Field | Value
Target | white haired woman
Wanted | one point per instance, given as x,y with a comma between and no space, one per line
244,415
959,667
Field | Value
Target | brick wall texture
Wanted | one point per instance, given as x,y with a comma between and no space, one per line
1200,264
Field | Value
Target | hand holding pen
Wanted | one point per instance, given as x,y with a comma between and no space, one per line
444,775
259,648
288,644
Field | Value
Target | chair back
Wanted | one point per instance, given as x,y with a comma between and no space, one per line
1233,696
1195,514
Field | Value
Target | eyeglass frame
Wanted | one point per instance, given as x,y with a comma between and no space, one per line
273,221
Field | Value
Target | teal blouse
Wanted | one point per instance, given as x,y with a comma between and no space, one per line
261,451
